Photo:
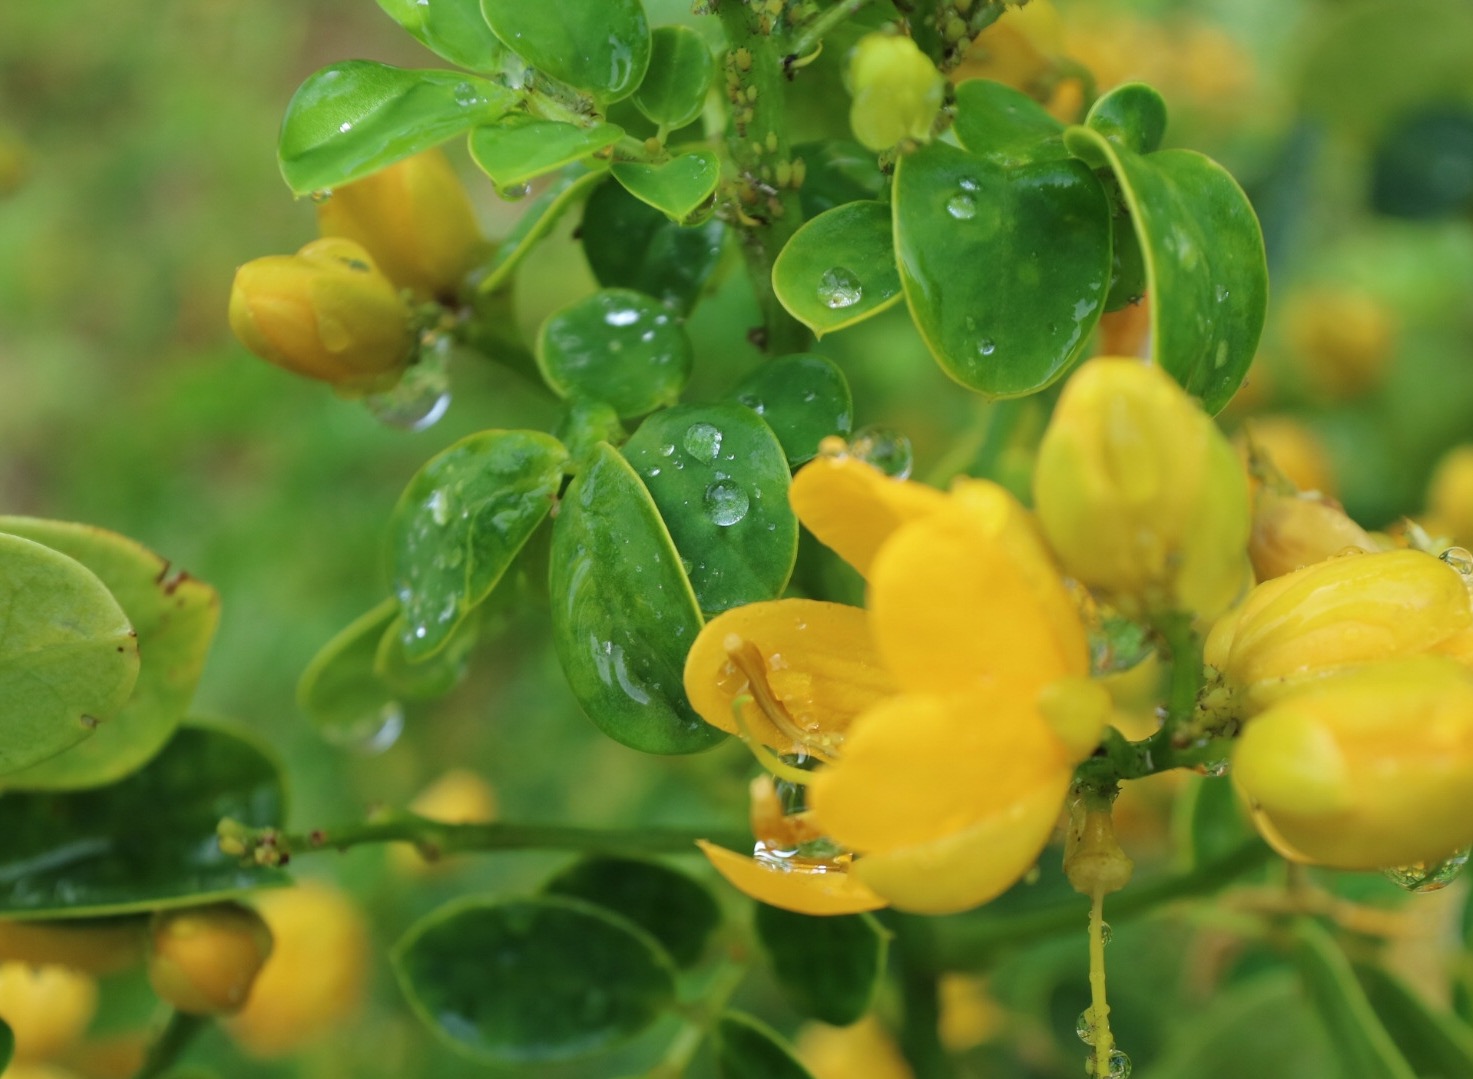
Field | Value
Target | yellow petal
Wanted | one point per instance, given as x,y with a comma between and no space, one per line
853,507
817,659
970,593
811,889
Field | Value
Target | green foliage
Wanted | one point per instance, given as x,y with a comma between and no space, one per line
803,398
682,188
813,276
674,88
453,29
518,148
630,244
601,46
828,968
746,1048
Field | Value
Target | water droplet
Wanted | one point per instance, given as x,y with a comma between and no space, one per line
439,507
513,192
1460,559
1117,1068
838,288
667,449
726,502
621,316
703,441
322,195
1084,1026
887,450
370,734
1428,876
962,206
467,96
1105,933
419,400
1222,294
987,346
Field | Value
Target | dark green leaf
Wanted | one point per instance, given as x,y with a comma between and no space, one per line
839,268
828,968
630,244
7,1045
1005,125
1436,1044
804,398
537,220
584,424
668,905
68,656
623,612
1208,822
681,69
354,118
459,524
616,346
147,841
1127,263
518,148
749,1049
837,171
532,980
1132,116
453,29
601,46
678,188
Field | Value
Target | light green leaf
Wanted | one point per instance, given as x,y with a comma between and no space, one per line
681,68
839,268
678,188
518,148
601,46
453,29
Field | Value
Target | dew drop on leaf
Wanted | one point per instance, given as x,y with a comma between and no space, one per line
962,206
839,288
726,502
887,450
703,441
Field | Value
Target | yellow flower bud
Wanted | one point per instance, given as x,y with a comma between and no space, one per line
1450,494
1342,338
1368,769
1334,616
1139,493
897,91
414,218
459,796
1294,530
1293,451
325,312
46,1007
205,959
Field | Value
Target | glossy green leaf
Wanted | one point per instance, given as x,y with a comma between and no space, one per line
720,480
68,655
1005,267
1434,1042
584,424
1127,263
460,522
518,148
839,268
147,841
1132,116
340,691
836,171
804,398
531,981
678,188
617,346
827,968
355,117
668,905
537,220
408,679
1204,260
601,46
681,68
630,244
749,1049
454,29
1005,125
174,616
1207,821
623,614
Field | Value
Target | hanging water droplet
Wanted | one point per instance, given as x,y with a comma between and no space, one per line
322,195
703,441
1118,1066
1084,1026
726,502
987,346
962,206
887,450
1428,876
370,734
1460,559
513,192
839,288
1105,933
417,402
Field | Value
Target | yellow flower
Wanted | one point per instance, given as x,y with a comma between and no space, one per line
1450,494
897,91
1295,530
414,218
1139,493
205,959
1364,770
326,313
950,713
46,1007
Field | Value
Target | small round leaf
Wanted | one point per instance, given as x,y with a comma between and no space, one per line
1133,116
675,85
518,148
839,268
828,968
804,398
668,905
601,46
680,188
453,29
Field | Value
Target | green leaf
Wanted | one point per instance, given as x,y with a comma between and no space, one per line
356,117
68,655
584,424
1005,268
1132,116
453,29
616,346
827,968
340,690
518,148
1005,125
537,220
7,1045
749,1049
623,614
839,268
1207,822
681,68
1204,261
532,981
668,905
601,46
630,244
1363,1047
836,171
678,188
147,841
1434,1042
174,616
423,679
460,522
804,398
720,480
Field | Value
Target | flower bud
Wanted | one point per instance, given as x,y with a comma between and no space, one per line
1294,530
1139,493
414,218
897,91
325,312
1368,769
1288,448
1342,338
1450,494
46,1007
205,959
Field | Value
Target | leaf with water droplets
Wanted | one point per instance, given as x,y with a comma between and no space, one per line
623,614
572,183
746,1047
674,88
1005,125
518,148
532,981
340,691
720,480
617,346
453,29
460,522
682,188
1434,1041
804,398
600,46
839,268
828,968
358,116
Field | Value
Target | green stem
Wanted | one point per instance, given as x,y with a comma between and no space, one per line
915,959
180,1031
812,35
698,1025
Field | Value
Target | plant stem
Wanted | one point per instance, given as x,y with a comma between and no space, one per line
176,1037
1099,1007
812,35
917,969
713,1001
